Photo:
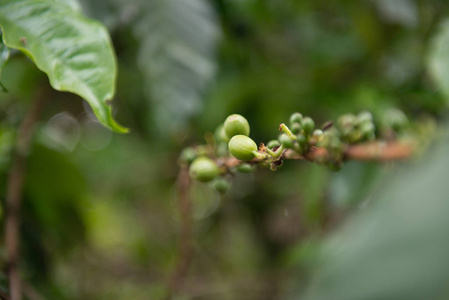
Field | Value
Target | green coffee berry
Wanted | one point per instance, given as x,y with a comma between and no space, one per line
302,140
308,124
203,169
221,185
222,149
367,127
369,136
296,118
286,141
296,128
317,133
201,150
364,116
242,147
396,119
331,139
273,143
245,168
318,136
236,125
187,155
220,134
347,124
347,121
355,136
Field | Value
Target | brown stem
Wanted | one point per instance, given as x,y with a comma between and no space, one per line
379,152
185,245
15,191
374,151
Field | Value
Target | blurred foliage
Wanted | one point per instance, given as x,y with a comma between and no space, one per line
397,248
4,55
177,55
100,216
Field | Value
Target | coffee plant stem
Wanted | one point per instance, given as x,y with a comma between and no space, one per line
371,151
14,194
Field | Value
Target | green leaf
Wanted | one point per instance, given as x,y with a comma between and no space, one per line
74,51
176,56
397,247
4,55
438,59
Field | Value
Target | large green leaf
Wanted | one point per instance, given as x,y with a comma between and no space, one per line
75,52
398,247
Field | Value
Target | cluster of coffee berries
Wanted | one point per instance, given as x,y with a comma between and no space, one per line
230,138
232,150
349,129
356,128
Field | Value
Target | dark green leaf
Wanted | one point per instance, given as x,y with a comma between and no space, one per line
74,51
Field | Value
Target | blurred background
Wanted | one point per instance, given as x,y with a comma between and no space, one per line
100,215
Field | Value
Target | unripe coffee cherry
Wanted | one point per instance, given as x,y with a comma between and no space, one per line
286,141
296,118
201,150
187,155
347,121
242,147
236,125
245,168
396,119
364,116
354,136
296,128
273,143
203,169
221,185
308,124
220,134
222,149
302,140
367,128
317,133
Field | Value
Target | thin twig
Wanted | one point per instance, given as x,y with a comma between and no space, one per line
374,151
15,192
185,245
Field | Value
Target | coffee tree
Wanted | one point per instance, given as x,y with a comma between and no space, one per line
250,212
